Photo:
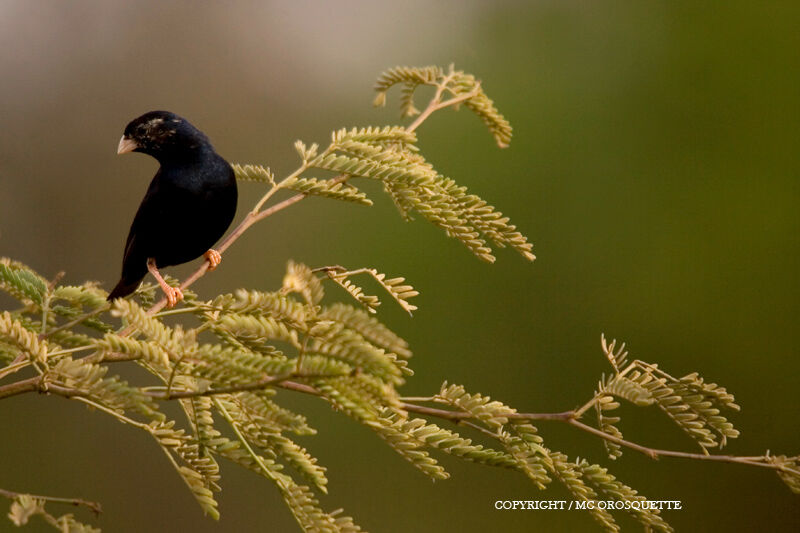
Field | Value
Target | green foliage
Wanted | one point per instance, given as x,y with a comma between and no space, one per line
390,155
694,405
254,173
224,370
400,293
21,282
610,488
16,335
456,83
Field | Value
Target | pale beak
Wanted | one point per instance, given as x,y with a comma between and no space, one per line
126,145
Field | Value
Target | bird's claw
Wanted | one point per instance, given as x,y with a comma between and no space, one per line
173,294
214,258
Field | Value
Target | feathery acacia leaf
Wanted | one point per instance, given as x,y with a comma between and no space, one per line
692,410
367,326
148,350
253,173
199,472
409,75
409,446
618,357
369,301
341,343
571,476
609,486
492,413
525,446
373,135
21,282
328,189
281,448
627,389
150,327
400,293
483,106
300,279
457,83
274,415
607,424
399,196
244,326
448,441
274,304
89,381
14,332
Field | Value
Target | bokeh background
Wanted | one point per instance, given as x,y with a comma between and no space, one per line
654,165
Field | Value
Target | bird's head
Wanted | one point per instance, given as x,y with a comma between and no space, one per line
163,135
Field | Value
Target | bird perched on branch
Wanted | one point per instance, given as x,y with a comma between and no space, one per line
188,206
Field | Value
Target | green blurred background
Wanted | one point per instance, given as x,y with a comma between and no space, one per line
654,165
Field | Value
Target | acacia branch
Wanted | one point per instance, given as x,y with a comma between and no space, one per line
570,417
95,507
20,387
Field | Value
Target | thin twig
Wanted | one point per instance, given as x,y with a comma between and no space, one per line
72,350
655,453
95,507
14,367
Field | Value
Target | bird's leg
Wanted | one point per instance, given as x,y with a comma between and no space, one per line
214,258
174,294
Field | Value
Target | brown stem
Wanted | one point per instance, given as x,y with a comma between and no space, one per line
655,453
38,384
20,387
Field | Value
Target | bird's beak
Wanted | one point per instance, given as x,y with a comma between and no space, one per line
126,145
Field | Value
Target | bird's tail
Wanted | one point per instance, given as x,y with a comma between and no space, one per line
124,288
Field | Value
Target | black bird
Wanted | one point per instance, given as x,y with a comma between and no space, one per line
189,205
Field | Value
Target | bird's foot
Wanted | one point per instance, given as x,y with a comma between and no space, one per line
214,258
173,294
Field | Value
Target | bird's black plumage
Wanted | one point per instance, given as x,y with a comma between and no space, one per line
189,204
